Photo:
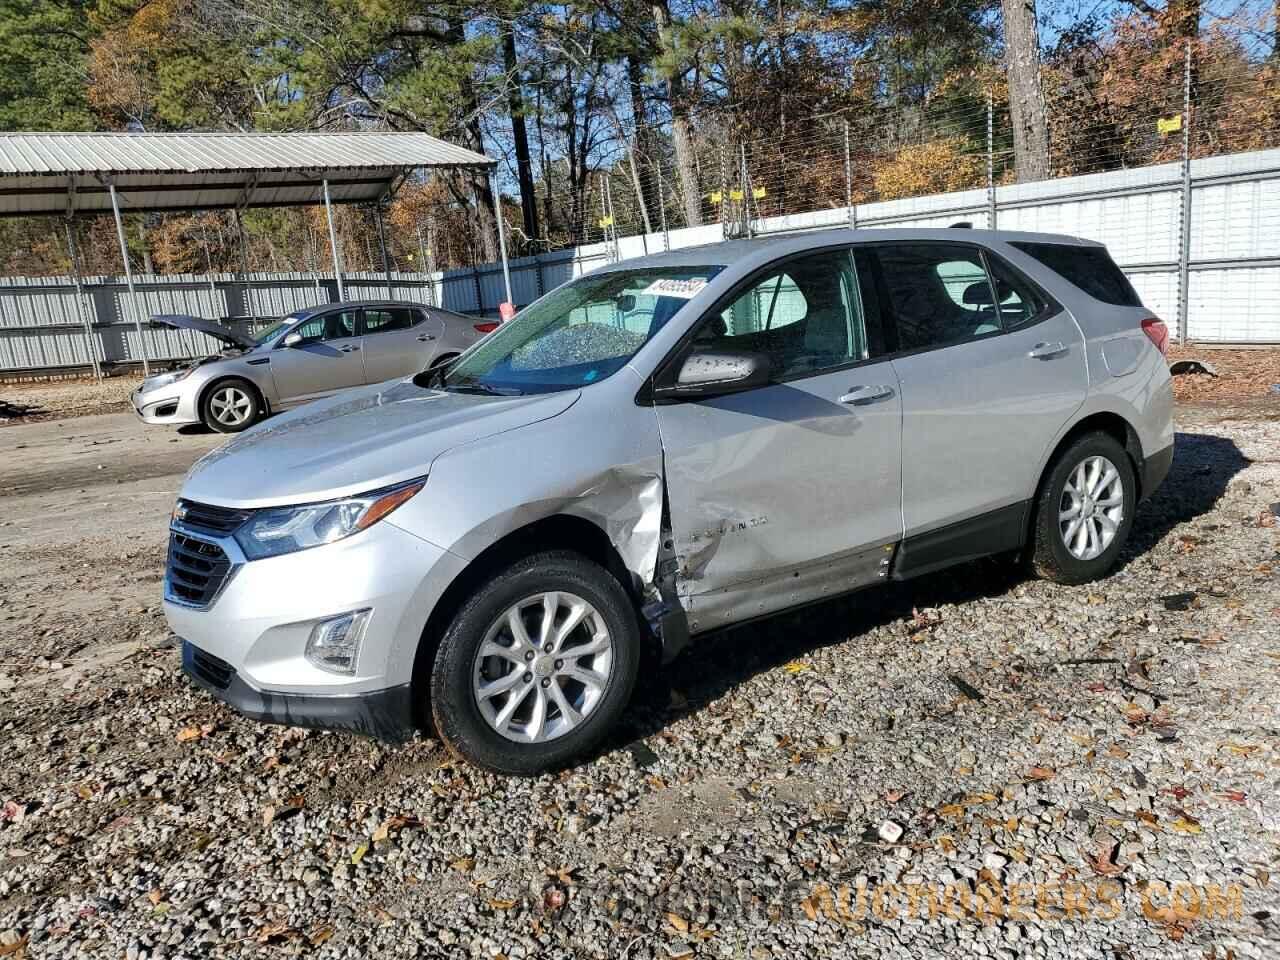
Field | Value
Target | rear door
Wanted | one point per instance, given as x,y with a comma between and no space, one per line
398,342
790,491
329,358
987,382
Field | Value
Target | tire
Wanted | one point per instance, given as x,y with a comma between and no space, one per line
471,730
230,406
1067,552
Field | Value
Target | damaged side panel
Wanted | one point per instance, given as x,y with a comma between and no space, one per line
515,479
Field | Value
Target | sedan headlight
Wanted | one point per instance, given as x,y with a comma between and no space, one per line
278,530
164,379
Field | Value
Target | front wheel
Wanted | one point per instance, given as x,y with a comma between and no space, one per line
537,666
1084,511
230,406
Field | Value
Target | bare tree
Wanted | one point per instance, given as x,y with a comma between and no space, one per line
681,133
1026,100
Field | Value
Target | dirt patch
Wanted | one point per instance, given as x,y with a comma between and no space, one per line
1243,376
54,400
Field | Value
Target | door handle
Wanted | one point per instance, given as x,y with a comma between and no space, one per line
426,337
1047,351
865,393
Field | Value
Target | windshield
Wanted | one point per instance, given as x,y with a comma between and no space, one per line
579,334
273,331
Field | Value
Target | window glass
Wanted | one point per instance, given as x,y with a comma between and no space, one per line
806,316
939,293
579,334
386,319
1020,301
328,326
1089,268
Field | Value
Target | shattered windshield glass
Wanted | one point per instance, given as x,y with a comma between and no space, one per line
579,334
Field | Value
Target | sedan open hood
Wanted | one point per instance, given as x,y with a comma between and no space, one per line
214,329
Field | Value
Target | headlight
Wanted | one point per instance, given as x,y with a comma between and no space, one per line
164,379
280,530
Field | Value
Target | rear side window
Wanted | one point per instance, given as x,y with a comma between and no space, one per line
938,292
1089,268
387,319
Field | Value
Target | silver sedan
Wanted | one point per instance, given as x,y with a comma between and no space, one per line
309,354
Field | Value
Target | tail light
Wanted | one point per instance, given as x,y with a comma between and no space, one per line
491,325
1157,333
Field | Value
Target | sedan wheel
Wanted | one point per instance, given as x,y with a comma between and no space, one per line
230,406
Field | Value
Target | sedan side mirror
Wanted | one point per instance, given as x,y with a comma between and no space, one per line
713,373
291,339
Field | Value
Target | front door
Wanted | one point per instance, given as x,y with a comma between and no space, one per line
788,492
328,359
987,383
399,342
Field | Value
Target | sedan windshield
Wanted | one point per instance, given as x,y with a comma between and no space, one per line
578,334
273,331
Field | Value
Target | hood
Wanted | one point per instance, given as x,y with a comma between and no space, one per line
214,329
356,441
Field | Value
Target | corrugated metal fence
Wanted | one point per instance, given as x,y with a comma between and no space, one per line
1229,252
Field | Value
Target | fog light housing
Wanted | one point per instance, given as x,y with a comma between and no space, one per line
334,644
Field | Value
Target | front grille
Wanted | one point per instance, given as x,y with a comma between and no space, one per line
213,671
220,520
197,569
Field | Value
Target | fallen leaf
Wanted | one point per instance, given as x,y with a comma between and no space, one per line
1147,817
155,896
1041,773
1102,864
272,813
1178,793
1235,796
17,948
678,922
1115,750
464,864
893,796
502,904
320,934
358,853
1241,749
393,825
795,666
1184,825
195,732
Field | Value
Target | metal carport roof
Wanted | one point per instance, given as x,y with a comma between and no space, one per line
61,173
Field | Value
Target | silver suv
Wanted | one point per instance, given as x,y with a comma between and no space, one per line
656,450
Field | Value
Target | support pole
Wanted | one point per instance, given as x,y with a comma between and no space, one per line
84,316
382,248
991,166
848,180
244,267
333,244
502,243
425,269
1184,244
128,276
662,208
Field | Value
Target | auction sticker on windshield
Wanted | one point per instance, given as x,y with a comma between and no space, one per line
670,287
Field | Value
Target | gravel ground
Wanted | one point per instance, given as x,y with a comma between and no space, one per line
1012,749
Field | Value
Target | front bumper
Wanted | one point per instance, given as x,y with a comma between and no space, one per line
164,405
257,625
383,714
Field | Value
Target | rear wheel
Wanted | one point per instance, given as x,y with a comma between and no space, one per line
1084,511
537,666
230,406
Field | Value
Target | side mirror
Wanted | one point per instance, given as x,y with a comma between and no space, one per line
713,373
291,339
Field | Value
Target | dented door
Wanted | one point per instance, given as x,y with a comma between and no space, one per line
791,491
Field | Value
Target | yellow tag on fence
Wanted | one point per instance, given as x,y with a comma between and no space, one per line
605,221
735,194
759,193
1169,124
716,197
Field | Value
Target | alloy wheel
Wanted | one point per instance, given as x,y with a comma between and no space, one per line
543,667
1092,508
231,406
